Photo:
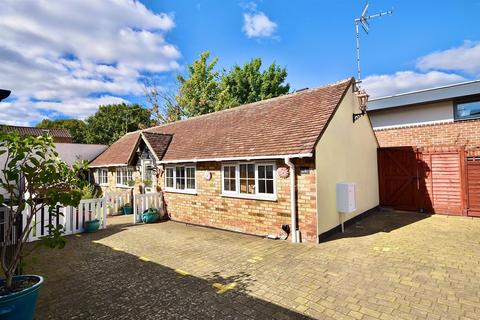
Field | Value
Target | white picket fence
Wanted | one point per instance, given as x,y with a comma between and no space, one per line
116,200
142,202
71,218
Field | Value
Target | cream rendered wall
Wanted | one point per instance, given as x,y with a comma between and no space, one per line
347,152
412,115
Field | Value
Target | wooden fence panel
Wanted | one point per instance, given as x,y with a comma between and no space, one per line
473,186
443,180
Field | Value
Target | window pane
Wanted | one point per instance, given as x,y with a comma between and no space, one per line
190,183
243,171
261,186
169,178
180,178
233,185
191,173
226,172
232,172
261,172
251,186
270,186
243,185
269,172
251,171
468,110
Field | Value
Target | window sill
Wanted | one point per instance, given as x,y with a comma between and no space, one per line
250,197
466,119
123,187
192,192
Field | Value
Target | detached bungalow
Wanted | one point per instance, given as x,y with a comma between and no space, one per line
255,167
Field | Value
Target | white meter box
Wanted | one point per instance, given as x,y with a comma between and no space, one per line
346,197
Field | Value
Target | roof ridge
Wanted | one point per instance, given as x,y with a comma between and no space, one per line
251,104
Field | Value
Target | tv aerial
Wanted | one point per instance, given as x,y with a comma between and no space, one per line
363,20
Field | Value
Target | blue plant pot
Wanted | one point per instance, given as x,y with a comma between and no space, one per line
92,226
150,216
20,305
127,210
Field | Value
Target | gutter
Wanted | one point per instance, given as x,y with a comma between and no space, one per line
293,201
247,158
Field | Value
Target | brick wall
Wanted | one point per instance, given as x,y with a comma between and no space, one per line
461,133
258,217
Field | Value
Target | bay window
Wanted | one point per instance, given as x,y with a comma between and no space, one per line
249,180
180,178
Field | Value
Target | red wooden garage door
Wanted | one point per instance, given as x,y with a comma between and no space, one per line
422,179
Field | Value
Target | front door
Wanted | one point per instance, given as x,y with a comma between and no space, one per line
147,176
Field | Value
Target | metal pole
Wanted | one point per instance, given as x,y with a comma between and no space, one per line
358,51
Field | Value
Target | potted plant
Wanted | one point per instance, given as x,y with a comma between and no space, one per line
131,183
147,183
32,176
151,215
92,225
127,209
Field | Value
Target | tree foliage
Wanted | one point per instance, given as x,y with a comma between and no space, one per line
76,127
198,92
112,121
247,83
33,175
205,89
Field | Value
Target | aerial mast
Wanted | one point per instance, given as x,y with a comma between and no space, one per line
363,21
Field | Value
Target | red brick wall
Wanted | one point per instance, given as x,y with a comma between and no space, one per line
258,217
461,133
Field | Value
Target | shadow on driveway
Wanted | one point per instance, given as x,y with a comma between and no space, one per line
88,280
383,220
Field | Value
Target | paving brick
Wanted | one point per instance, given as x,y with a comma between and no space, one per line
434,273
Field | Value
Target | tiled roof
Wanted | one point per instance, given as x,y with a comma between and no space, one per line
158,142
118,153
286,125
32,131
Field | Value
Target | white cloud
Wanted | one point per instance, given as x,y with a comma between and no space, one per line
465,58
257,24
405,81
56,55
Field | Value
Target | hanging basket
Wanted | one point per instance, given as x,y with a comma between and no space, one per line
283,172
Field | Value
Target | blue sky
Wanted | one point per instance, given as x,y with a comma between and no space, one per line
64,59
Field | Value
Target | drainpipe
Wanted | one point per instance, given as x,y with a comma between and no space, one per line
293,200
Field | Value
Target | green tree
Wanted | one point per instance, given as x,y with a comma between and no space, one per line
32,162
112,121
76,127
206,90
247,83
198,92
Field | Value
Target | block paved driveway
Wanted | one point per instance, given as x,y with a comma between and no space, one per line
389,266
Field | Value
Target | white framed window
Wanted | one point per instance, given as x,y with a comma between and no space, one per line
180,178
249,180
124,176
102,176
